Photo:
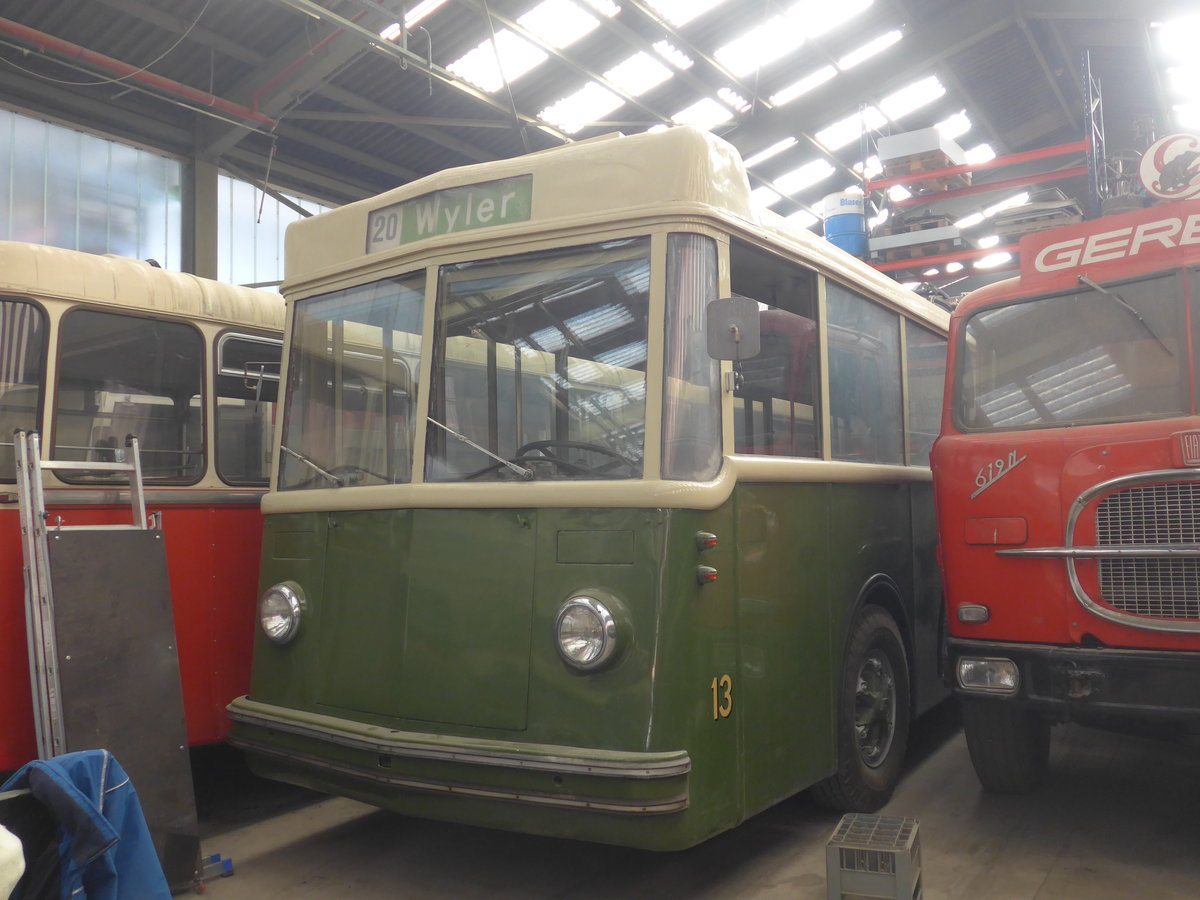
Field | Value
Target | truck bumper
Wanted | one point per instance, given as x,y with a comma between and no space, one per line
1083,684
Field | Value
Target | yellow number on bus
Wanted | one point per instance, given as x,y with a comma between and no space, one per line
722,696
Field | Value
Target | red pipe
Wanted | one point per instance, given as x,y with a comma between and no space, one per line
48,43
922,262
1012,159
1003,184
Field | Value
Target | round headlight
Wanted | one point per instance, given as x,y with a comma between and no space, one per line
279,612
586,633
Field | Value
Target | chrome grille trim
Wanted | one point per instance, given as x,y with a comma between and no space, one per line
1130,581
1151,514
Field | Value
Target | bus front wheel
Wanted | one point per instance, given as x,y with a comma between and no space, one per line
1009,746
872,717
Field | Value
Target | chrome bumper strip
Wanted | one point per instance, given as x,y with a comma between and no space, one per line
678,803
539,758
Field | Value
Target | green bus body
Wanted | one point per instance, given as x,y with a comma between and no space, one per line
425,676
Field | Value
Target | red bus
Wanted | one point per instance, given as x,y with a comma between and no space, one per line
1067,482
96,347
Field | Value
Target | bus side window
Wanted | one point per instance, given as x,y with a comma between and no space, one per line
247,388
775,403
22,351
122,375
864,379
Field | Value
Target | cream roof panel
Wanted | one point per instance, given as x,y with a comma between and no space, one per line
39,271
603,175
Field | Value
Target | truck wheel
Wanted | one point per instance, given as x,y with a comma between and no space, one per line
872,717
1009,745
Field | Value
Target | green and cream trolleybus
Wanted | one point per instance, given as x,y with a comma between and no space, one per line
601,507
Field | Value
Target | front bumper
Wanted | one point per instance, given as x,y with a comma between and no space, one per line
539,788
1077,683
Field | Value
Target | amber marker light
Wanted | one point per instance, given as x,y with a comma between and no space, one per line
705,574
705,540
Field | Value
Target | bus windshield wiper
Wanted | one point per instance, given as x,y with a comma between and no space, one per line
520,470
314,466
1083,279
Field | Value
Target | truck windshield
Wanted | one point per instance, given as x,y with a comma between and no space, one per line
1075,358
541,360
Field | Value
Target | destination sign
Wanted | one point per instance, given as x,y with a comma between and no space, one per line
449,211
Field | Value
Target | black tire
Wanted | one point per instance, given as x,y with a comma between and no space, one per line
873,716
1009,745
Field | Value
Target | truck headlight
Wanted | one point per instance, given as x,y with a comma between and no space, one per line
279,612
585,633
992,676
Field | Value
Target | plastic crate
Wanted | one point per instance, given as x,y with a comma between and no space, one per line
870,856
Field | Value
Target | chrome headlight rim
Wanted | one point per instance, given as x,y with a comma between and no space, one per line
290,611
606,621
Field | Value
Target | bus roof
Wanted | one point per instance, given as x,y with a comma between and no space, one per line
36,270
608,178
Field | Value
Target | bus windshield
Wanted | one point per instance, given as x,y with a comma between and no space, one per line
539,360
1091,355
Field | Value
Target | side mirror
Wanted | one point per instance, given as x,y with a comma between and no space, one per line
732,328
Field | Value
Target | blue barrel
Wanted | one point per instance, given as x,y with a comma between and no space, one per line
846,222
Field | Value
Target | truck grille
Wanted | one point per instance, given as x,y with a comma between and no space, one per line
1149,515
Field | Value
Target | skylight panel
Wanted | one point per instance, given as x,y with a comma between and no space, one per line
704,114
817,17
992,260
559,23
638,74
774,150
909,99
803,219
674,56
591,102
1177,38
980,153
680,12
798,88
517,56
805,176
1187,115
1007,203
421,11
955,126
760,45
765,196
556,23
869,49
869,168
844,131
733,99
606,8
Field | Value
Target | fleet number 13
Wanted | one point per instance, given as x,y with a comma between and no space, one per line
722,697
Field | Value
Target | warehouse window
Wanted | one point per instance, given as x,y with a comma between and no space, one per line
250,230
68,189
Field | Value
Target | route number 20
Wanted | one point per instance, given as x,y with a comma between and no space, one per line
722,697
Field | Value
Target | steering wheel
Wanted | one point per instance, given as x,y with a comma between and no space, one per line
545,449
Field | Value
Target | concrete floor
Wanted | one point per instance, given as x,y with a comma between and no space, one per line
1119,819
